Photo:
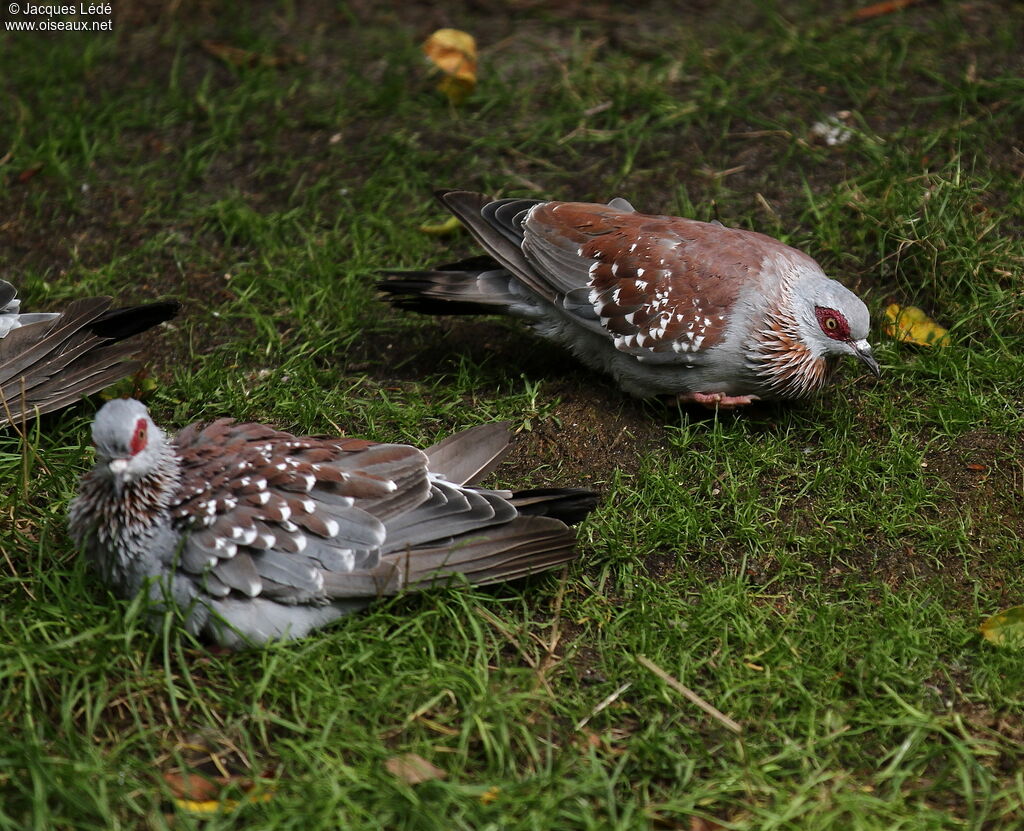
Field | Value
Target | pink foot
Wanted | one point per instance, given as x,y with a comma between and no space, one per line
717,400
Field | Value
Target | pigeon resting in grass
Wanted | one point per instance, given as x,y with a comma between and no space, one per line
255,534
49,360
712,315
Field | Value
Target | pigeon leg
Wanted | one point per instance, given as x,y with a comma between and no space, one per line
717,400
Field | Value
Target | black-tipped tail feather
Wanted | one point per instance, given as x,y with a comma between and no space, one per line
470,287
570,505
50,364
118,324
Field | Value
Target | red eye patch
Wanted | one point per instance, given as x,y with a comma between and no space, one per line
832,323
139,437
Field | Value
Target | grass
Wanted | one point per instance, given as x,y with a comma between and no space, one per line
817,572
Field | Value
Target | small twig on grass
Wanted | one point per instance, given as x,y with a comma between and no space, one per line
764,203
605,702
503,631
756,134
556,630
14,571
690,695
618,438
22,431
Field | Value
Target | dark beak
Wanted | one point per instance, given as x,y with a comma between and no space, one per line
862,350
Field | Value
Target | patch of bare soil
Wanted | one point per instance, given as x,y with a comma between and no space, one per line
593,430
983,471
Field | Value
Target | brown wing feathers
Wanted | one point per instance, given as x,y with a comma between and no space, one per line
467,457
305,519
662,287
49,364
527,545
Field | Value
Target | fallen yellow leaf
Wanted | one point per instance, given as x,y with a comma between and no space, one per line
911,325
454,53
449,226
202,795
214,806
1005,628
193,806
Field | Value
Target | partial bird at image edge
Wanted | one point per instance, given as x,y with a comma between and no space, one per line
50,360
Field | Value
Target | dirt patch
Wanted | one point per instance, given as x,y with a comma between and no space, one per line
593,429
983,470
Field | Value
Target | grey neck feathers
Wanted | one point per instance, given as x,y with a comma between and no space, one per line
123,521
782,355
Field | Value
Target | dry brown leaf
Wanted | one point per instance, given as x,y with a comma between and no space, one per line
879,9
193,786
199,794
29,172
233,56
413,769
454,53
911,325
702,824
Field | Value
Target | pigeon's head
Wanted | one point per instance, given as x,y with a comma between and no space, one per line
833,321
128,444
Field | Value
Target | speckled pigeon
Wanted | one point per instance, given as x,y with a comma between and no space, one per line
713,315
255,534
49,360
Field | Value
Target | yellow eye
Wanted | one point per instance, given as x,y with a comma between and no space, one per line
830,323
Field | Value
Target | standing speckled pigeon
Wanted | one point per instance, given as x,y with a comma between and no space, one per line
255,534
713,315
49,360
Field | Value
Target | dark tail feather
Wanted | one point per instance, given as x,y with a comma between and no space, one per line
497,226
470,287
422,291
570,505
50,364
119,324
